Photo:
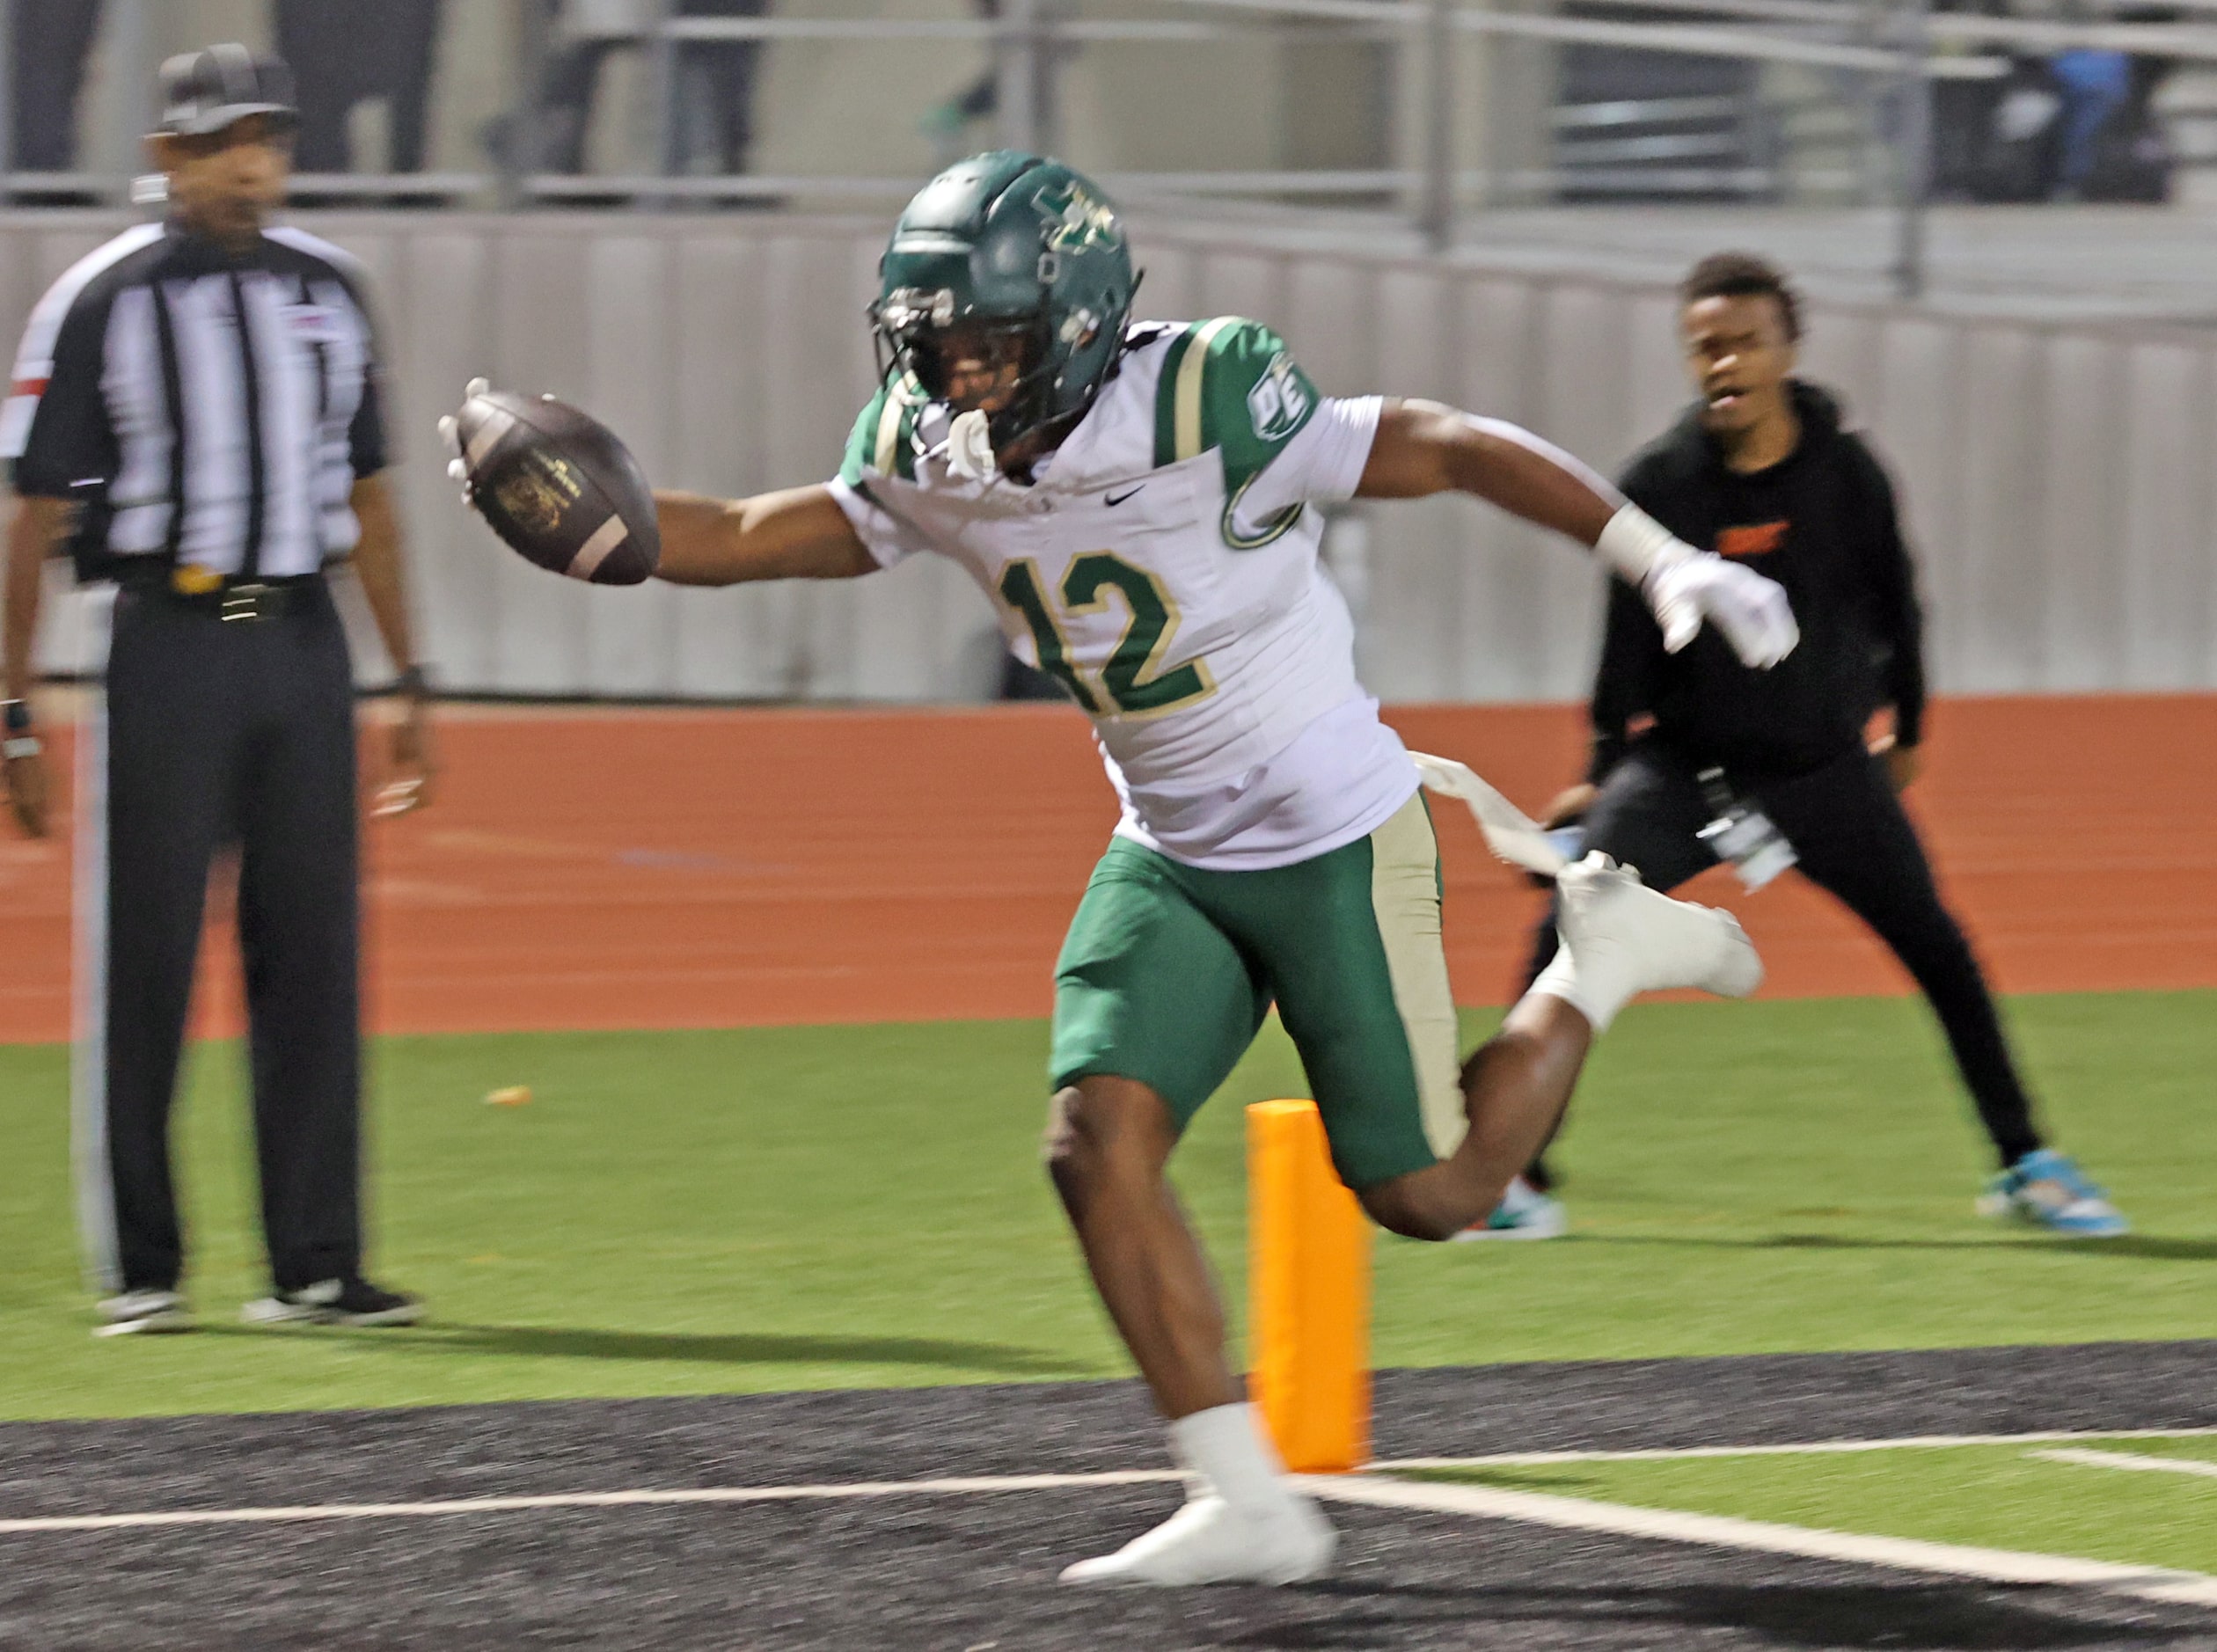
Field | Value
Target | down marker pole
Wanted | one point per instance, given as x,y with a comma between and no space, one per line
1309,1286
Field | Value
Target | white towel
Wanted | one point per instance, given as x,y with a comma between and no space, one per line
1510,833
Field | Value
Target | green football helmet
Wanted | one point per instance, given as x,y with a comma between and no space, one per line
1018,245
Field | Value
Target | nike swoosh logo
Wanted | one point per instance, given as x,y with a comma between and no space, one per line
1113,499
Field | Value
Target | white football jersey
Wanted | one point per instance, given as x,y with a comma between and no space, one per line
1162,566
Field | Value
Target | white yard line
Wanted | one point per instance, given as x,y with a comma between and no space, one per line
583,1499
2005,1566
1576,1514
1540,1460
2130,1459
1028,1482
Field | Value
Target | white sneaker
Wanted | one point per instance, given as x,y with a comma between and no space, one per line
1523,1213
1209,1541
134,1313
350,1301
1620,930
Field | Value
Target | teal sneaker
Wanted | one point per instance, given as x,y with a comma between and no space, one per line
1523,1213
2047,1190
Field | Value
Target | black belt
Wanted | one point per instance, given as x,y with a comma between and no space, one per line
246,601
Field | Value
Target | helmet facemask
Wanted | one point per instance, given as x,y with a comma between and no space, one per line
999,365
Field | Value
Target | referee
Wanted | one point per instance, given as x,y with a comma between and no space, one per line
1696,757
195,420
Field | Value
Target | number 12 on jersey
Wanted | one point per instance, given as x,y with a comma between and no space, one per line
1133,680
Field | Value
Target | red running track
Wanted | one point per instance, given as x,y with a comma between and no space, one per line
651,868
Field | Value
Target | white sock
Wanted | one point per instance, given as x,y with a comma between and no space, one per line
1225,1445
1599,1001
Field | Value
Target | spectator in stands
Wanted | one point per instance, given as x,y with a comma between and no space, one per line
2093,87
343,54
714,89
947,124
2078,125
48,42
588,31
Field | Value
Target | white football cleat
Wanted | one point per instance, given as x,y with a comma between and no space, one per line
1209,1541
1619,928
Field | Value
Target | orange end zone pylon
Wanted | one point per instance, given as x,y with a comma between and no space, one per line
1309,1286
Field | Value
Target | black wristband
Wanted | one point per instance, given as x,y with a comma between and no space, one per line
15,716
411,682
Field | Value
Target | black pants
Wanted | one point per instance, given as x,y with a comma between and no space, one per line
713,95
50,40
345,54
218,734
715,88
1854,842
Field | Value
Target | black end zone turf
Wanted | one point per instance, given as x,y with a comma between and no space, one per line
926,1573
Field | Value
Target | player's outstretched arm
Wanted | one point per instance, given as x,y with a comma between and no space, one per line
561,489
798,533
1423,447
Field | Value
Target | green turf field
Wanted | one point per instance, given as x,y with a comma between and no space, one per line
684,1213
1988,1497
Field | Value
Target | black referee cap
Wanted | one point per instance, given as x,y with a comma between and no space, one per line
206,91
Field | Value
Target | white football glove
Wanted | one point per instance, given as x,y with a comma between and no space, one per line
450,435
1684,587
1750,611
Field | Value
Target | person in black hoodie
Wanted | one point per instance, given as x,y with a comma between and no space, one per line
1760,469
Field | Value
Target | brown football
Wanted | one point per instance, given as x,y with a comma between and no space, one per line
559,486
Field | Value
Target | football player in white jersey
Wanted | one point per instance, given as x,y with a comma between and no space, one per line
1136,502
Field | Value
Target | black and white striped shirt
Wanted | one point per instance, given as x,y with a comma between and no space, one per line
203,408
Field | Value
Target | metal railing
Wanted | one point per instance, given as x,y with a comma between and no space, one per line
1894,46
1893,51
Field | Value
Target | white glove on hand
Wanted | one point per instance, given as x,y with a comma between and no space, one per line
450,435
1684,587
1751,610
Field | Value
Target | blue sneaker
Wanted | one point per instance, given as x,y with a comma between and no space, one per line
2047,1190
1523,1213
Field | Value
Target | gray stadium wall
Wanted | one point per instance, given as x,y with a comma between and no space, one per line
2058,476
